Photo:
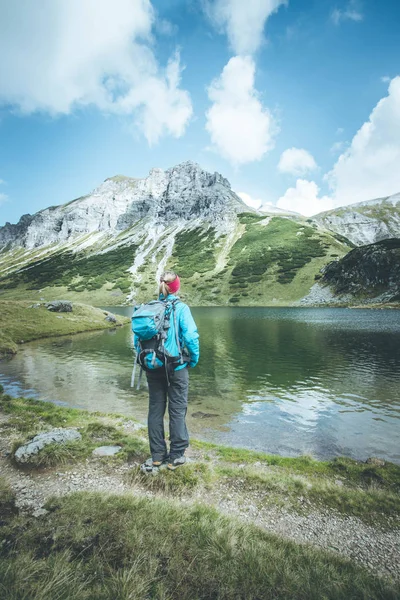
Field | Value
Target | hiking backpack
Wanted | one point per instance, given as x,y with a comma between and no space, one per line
150,324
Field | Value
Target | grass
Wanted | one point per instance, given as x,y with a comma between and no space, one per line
27,417
74,270
267,261
373,505
7,501
183,480
355,472
367,491
283,245
95,546
19,323
194,251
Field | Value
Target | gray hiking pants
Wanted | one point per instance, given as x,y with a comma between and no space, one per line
177,394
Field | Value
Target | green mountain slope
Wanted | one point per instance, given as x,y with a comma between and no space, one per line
261,261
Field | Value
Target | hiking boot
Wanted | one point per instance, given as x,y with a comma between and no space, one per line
177,462
152,466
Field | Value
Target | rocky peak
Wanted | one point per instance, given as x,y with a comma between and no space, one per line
184,192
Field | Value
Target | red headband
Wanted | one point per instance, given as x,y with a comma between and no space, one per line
174,285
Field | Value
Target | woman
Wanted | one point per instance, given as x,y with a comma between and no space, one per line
173,385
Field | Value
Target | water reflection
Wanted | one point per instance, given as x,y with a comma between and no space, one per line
322,381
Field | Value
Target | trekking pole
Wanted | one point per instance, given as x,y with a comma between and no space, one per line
133,374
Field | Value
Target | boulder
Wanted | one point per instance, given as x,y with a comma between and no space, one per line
37,305
106,450
26,453
59,306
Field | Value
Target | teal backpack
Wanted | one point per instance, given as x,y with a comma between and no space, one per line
150,324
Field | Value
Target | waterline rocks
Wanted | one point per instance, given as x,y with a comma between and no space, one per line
27,453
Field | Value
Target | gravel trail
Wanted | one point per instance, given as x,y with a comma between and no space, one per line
376,549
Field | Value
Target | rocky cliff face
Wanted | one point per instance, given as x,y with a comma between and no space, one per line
369,271
369,274
184,192
365,222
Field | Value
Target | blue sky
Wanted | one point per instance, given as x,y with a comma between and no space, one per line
297,103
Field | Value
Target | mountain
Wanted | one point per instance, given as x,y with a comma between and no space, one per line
368,274
364,222
111,246
182,193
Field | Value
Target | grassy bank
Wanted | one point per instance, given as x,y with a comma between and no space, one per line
19,323
370,492
103,547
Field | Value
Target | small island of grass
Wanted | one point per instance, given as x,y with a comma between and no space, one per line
21,321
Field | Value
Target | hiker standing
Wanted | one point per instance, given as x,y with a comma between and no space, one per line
165,359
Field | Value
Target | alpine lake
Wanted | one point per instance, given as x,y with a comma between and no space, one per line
290,381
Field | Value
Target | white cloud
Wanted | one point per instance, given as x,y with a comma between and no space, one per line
296,161
385,79
337,147
352,12
242,20
247,199
368,169
56,56
304,199
241,128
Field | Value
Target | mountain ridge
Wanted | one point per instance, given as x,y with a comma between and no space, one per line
112,244
183,192
364,222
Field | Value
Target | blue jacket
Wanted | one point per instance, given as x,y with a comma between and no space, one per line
187,332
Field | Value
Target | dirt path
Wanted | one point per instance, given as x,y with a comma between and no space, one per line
376,549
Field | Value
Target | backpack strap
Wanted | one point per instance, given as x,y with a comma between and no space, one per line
177,332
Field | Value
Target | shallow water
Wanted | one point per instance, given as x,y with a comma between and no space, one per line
288,380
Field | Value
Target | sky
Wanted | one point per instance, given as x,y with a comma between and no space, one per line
295,102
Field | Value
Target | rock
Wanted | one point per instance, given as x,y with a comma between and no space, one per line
111,318
184,192
59,306
106,450
203,415
369,274
37,305
339,482
369,270
24,454
364,222
376,462
40,512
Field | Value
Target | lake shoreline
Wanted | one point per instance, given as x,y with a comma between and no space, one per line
344,507
22,322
